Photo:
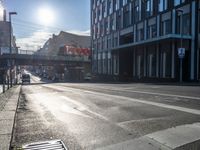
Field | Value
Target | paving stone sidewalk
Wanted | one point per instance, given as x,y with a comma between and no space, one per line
8,106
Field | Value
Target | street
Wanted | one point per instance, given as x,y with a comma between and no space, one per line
95,115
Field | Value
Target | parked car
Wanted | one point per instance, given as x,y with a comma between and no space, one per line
88,77
26,78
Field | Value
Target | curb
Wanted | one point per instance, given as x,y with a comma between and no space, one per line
7,116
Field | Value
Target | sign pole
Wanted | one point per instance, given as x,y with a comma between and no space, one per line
181,70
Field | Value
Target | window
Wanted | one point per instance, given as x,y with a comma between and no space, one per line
112,27
106,27
163,5
178,2
136,11
104,9
199,17
118,21
148,8
140,34
186,24
126,17
114,5
166,27
109,7
126,39
151,62
152,31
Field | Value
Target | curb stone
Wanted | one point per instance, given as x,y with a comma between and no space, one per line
9,101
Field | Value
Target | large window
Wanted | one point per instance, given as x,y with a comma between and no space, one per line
140,34
199,17
152,31
163,5
178,2
151,68
185,25
118,21
148,8
136,11
166,27
126,17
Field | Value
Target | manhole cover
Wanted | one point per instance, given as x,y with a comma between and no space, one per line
46,145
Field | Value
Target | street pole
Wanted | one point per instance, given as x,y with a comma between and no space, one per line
10,69
181,32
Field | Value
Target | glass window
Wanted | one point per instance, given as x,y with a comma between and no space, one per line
126,17
136,11
149,8
152,31
166,27
118,21
186,24
162,5
199,17
178,2
140,34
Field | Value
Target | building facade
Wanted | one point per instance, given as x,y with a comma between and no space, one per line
67,44
139,39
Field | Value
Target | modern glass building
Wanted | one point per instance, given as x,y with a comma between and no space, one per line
139,39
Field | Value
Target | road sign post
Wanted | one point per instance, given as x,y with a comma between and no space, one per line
181,55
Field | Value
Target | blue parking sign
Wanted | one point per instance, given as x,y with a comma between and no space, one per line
181,52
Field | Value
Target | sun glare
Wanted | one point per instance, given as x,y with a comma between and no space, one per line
46,16
1,11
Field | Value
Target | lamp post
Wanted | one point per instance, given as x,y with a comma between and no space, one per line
10,14
181,50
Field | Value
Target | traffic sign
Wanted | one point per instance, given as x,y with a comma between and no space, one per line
181,52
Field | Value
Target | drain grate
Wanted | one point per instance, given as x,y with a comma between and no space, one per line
46,145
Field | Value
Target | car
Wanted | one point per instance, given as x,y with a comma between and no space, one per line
26,78
88,77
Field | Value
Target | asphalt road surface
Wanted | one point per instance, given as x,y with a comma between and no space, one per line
90,115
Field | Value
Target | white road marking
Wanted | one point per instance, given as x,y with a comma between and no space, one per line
162,94
183,109
143,92
140,120
178,108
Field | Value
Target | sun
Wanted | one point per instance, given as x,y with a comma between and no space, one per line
46,16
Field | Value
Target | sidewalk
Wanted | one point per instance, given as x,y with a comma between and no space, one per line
8,106
185,137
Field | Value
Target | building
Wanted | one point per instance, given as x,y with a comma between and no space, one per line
53,45
7,41
139,39
68,44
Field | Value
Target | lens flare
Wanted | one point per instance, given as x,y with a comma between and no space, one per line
46,16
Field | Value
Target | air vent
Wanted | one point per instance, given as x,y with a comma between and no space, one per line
46,145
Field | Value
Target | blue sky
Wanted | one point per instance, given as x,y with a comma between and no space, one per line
69,15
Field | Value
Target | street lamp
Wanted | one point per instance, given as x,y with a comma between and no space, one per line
181,51
10,14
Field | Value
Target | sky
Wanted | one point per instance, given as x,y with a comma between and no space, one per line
37,20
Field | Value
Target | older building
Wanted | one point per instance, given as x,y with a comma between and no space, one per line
5,34
139,39
53,45
68,44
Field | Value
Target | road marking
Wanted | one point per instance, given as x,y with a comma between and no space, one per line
140,120
143,92
183,109
154,93
162,94
178,108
